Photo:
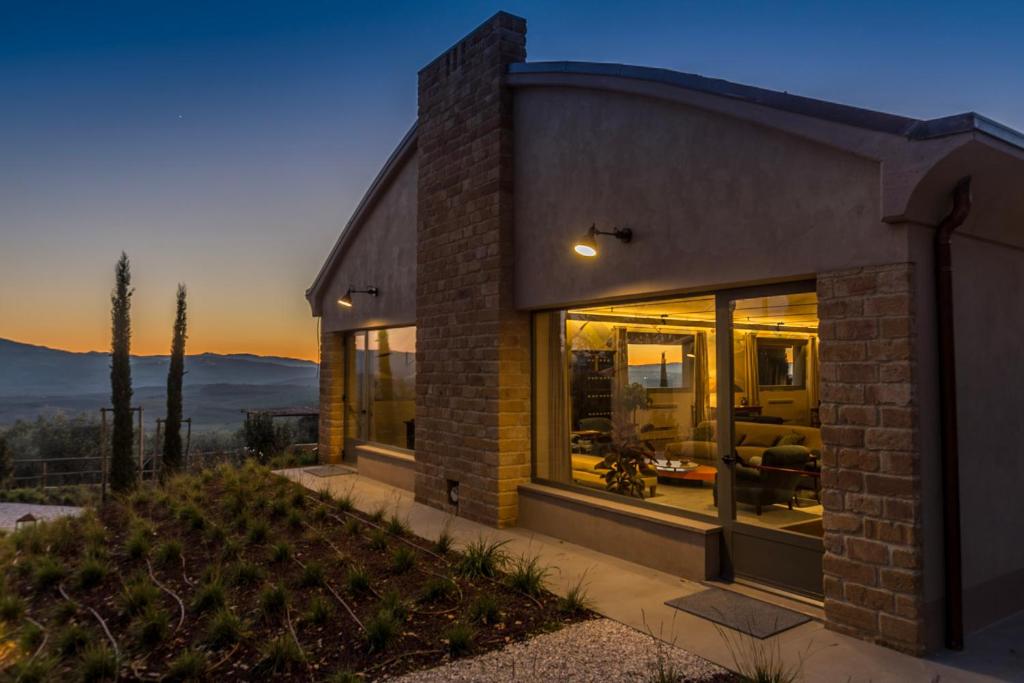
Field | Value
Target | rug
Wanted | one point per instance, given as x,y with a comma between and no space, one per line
738,612
329,470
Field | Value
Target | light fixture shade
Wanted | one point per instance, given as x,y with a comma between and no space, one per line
346,300
587,244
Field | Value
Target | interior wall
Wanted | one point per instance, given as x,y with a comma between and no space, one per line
381,253
711,200
989,315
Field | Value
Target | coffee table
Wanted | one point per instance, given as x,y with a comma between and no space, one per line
683,472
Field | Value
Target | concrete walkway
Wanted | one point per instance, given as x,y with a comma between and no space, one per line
635,596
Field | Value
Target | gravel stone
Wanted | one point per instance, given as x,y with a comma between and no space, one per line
596,651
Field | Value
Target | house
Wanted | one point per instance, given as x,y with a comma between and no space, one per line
700,325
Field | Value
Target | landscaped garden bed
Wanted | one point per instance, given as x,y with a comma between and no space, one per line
237,574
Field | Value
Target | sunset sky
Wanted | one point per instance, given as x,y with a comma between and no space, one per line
224,145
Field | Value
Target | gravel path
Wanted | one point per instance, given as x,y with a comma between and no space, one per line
10,512
596,651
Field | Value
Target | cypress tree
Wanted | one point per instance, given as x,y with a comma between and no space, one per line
122,465
173,455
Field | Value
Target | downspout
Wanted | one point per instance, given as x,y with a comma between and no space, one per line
947,413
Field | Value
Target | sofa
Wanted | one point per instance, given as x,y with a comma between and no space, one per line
773,480
588,470
752,439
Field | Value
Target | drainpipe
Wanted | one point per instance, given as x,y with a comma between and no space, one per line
947,413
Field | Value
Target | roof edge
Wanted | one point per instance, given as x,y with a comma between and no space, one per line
379,184
905,126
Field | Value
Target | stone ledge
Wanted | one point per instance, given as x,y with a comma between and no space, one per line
391,466
686,547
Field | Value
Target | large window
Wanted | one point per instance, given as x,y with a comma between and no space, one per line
626,404
381,386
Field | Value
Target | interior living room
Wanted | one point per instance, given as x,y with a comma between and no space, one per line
632,405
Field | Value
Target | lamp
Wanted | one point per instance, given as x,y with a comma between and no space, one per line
587,244
346,300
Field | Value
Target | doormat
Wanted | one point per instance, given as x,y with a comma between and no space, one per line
740,613
329,470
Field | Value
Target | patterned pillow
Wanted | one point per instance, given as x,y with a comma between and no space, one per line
792,439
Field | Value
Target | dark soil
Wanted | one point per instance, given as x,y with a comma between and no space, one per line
212,516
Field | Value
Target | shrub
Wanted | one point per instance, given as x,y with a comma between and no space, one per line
136,546
258,531
436,589
190,665
11,608
224,629
280,655
482,558
72,639
403,559
168,553
151,627
357,581
345,502
381,630
460,639
312,575
138,594
91,573
527,575
244,573
396,526
484,610
444,542
209,596
273,602
576,600
280,552
47,573
318,612
378,540
98,663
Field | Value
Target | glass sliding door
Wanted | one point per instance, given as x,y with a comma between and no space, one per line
774,467
380,386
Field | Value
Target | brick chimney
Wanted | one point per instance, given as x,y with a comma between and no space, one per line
472,345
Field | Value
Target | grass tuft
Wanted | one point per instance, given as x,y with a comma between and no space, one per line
190,665
482,558
209,596
224,629
11,608
378,540
444,542
138,594
273,602
98,663
280,552
484,610
396,526
576,600
318,612
436,589
381,630
312,575
72,639
47,573
357,581
258,532
403,558
244,573
280,655
150,628
91,573
527,575
460,637
168,553
353,526
136,546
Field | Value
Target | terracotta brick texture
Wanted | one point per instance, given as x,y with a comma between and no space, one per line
332,382
871,487
472,346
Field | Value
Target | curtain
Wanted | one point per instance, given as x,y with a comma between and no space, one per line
622,425
812,373
701,379
559,457
753,395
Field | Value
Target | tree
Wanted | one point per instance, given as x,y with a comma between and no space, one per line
6,468
122,465
173,457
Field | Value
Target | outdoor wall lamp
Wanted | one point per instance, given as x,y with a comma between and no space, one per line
587,244
346,300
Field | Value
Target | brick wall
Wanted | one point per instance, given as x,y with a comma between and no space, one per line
871,487
332,380
472,346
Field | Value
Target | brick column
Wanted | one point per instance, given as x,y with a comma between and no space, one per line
472,346
871,488
332,389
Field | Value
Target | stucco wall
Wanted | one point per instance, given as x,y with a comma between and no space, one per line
989,311
711,200
381,253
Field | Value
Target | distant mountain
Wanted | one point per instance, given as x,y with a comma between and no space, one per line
38,380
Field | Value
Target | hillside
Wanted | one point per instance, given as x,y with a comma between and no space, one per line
35,380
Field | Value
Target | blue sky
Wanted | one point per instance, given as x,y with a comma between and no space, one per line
225,144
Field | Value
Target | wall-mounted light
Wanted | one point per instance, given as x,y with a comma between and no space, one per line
346,300
587,244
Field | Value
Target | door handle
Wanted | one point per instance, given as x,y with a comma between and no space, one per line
729,459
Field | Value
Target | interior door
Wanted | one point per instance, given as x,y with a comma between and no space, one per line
768,441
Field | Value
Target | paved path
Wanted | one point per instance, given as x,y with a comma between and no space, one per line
10,512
